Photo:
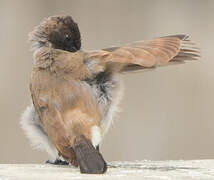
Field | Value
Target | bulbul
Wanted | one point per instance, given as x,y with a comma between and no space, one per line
75,93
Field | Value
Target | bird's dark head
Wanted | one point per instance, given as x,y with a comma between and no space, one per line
59,32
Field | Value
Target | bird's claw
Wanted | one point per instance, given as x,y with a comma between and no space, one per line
57,162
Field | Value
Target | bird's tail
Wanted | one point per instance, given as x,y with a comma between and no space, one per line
88,158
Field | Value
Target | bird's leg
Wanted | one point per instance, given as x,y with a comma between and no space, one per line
58,161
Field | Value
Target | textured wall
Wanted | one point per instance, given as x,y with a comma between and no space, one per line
166,113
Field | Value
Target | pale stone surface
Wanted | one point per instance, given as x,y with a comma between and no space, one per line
139,170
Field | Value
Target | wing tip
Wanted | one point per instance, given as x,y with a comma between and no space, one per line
188,49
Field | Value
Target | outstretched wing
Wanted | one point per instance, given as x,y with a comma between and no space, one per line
150,53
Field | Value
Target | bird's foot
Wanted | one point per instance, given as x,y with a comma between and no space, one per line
57,162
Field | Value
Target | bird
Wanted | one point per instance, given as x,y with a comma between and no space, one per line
76,93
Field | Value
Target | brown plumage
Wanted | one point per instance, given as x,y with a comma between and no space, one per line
72,89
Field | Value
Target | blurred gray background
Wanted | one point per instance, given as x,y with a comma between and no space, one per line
167,113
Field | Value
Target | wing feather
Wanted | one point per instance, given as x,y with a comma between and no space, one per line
149,53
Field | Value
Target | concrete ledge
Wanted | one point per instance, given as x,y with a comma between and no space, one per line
139,170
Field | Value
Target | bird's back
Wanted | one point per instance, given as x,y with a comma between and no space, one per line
65,106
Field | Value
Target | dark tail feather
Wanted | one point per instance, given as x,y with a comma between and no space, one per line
88,158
